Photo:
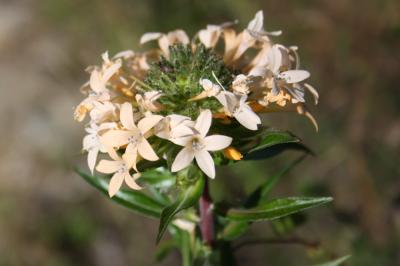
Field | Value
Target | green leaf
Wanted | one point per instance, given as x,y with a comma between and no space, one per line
336,262
273,143
164,249
264,189
186,199
131,199
276,208
158,178
234,229
272,138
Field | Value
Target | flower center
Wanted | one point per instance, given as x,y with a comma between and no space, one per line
197,144
123,169
177,78
135,139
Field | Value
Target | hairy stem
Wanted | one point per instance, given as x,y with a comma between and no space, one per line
206,216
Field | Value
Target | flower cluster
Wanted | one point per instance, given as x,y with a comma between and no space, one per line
160,106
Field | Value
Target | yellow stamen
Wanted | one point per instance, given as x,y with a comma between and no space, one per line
232,154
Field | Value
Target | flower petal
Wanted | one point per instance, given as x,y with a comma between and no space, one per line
205,162
115,183
203,122
110,71
217,142
146,151
126,116
109,167
294,76
92,157
149,122
247,118
181,141
130,181
115,138
150,36
130,156
256,24
182,159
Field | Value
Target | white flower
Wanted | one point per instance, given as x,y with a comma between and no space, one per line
275,59
134,136
248,38
147,101
210,35
197,145
256,27
165,40
173,126
210,90
92,143
236,106
120,167
240,85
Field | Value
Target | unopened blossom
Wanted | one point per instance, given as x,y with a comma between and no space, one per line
197,146
166,40
134,136
120,168
236,106
92,143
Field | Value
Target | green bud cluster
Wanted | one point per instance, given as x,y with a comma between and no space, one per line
178,78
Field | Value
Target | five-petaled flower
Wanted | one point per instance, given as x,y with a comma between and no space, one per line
197,146
133,136
120,168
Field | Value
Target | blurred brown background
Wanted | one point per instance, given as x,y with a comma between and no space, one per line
50,216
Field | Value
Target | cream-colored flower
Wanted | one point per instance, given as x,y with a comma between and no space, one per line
133,136
237,45
236,106
148,101
166,40
92,143
120,168
210,35
197,146
210,90
99,92
256,28
103,111
240,85
173,126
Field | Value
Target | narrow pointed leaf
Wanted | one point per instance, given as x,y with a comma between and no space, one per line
264,189
336,262
186,199
276,208
234,229
273,143
158,178
134,200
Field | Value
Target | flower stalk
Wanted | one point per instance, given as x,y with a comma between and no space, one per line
207,216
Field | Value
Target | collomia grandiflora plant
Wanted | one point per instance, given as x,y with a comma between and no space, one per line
165,118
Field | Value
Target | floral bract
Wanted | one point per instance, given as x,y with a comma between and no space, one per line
174,106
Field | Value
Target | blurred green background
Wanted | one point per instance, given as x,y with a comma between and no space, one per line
50,216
